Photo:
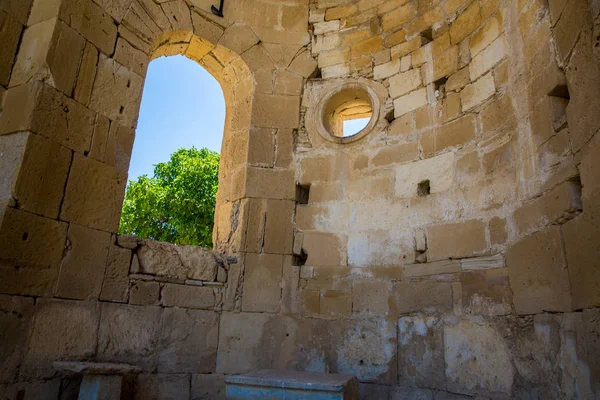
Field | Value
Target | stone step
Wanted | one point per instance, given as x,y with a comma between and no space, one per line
292,385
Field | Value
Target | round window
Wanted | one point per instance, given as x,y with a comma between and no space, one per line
347,112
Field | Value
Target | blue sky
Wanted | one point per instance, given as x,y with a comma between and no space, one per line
182,106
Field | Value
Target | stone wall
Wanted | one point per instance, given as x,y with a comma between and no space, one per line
450,250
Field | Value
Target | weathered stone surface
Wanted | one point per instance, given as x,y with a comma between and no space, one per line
129,334
262,282
10,33
29,240
242,345
538,274
421,338
115,286
53,337
96,368
41,109
92,22
371,341
94,194
371,297
188,341
35,170
117,92
164,259
211,386
162,386
16,314
144,293
457,240
36,389
187,296
477,357
486,292
82,268
55,59
422,296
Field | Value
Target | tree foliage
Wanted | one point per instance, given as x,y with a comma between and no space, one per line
177,204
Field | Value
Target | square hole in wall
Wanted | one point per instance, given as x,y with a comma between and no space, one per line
302,194
424,188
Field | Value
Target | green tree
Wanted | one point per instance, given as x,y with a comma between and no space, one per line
177,204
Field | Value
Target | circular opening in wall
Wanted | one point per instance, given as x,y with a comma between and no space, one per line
348,112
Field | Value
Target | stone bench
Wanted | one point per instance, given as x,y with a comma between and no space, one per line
101,381
291,385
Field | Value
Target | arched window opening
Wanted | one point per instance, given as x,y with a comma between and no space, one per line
173,174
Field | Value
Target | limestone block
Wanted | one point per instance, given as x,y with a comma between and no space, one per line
276,111
431,268
396,154
117,92
162,386
206,29
115,286
82,268
87,74
410,102
94,194
51,52
538,277
303,64
325,42
401,393
458,80
262,283
560,204
17,9
238,38
477,357
279,227
456,240
571,21
380,247
208,386
197,297
499,115
487,34
91,22
61,330
456,133
16,314
387,69
38,390
324,249
477,92
181,262
29,240
335,304
421,352
583,76
144,293
444,64
488,58
581,237
486,292
34,172
370,297
269,183
466,23
498,232
426,296
407,47
371,340
440,171
10,33
130,57
129,334
188,341
41,109
405,82
28,281
288,83
243,343
367,47
398,16
116,8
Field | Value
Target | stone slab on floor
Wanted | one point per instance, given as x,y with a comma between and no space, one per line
291,385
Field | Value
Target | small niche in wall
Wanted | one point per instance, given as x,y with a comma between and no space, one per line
440,87
302,194
427,34
424,188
